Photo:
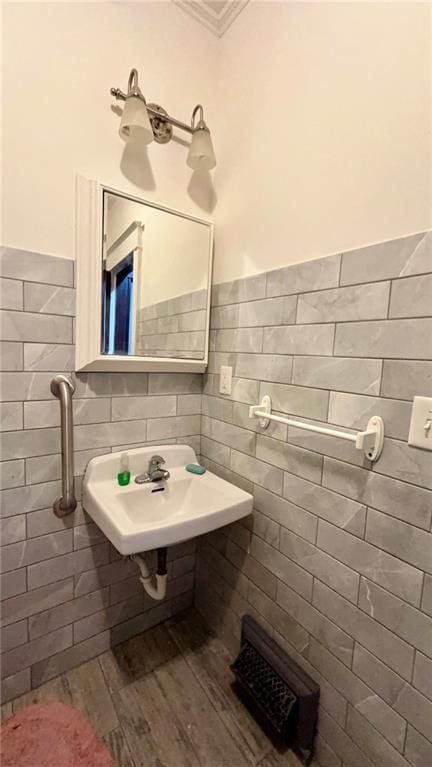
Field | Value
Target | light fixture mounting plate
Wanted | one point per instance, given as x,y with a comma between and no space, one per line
162,130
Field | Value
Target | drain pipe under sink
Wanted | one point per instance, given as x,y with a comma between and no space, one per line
157,591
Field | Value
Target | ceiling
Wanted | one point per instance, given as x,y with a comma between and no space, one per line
215,15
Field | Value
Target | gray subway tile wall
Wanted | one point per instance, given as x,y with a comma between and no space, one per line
336,560
67,595
174,327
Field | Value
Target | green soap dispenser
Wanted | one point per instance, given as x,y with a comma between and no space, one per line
123,477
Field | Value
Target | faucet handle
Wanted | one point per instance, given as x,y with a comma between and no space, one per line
156,461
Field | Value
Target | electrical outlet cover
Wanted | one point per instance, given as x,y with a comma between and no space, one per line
225,382
420,433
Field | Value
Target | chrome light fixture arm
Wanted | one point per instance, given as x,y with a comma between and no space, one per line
200,124
154,110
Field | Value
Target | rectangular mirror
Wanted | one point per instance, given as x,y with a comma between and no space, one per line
144,275
154,281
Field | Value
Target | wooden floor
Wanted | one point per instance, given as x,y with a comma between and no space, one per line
164,699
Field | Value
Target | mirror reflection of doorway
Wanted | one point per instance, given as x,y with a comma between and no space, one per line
120,281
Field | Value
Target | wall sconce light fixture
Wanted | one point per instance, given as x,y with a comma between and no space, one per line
146,122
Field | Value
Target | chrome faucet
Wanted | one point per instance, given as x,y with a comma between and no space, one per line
154,472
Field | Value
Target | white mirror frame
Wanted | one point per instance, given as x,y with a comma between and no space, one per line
88,260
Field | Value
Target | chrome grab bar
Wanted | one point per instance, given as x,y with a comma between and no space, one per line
63,388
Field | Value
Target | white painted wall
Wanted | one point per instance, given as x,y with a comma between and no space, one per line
59,62
322,132
320,119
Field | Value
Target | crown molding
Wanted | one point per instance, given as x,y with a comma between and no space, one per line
216,21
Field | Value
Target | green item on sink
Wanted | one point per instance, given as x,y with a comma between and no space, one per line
123,478
195,468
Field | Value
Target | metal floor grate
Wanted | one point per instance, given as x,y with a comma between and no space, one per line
266,687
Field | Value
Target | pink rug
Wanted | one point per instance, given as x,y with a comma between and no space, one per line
51,735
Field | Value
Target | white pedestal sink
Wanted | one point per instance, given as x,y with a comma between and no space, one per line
135,518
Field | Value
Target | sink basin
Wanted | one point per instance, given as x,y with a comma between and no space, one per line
139,518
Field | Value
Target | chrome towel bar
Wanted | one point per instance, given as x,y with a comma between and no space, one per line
63,388
371,440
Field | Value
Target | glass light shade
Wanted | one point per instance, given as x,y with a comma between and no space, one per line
201,152
135,122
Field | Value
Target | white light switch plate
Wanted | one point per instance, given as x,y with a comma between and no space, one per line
225,381
420,433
